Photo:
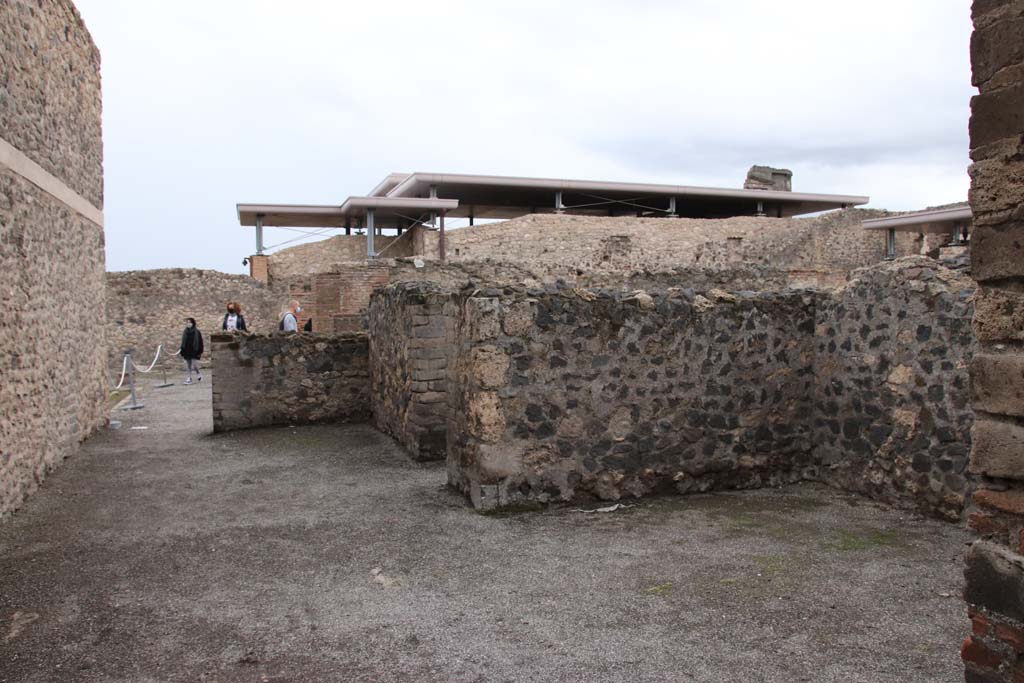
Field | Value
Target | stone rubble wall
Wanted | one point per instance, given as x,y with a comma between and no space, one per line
408,359
50,85
893,410
557,392
565,394
994,652
287,378
53,383
320,257
147,308
817,251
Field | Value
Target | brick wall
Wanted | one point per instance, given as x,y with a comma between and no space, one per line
289,378
53,385
408,340
337,299
994,652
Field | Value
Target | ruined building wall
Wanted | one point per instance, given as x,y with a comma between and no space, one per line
320,257
146,308
53,386
289,378
337,299
561,394
893,412
408,339
995,565
818,251
558,391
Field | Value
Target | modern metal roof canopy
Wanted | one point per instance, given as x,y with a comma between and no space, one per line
485,196
932,220
403,200
387,209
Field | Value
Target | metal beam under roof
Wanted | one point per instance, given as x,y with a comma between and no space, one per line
932,220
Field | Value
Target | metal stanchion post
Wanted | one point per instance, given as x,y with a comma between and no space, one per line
163,371
131,382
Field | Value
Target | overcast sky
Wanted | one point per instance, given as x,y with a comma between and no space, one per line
213,102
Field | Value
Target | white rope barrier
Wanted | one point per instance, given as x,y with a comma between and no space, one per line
155,359
124,371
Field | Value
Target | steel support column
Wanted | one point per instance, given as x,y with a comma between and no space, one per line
259,233
890,244
559,206
370,230
440,239
672,207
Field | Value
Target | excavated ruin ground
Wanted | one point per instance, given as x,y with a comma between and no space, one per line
323,554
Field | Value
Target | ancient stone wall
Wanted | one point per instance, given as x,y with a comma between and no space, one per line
994,652
894,416
558,391
289,378
817,251
51,104
561,394
408,339
53,386
320,257
147,308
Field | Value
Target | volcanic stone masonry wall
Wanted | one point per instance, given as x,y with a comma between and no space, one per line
53,387
409,333
559,394
146,308
994,652
289,378
893,411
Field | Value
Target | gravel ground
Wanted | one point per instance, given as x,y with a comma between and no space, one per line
323,554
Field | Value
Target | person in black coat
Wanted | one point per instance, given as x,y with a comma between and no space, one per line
233,319
192,349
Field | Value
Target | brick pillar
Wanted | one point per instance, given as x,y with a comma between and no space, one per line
995,563
259,267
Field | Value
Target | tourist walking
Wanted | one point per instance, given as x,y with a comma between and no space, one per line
192,349
233,319
290,320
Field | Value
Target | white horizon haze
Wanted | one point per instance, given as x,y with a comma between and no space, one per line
208,104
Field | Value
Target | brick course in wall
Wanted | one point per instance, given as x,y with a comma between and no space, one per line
408,361
53,386
337,299
994,652
289,378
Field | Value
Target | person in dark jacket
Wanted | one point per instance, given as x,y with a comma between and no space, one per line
192,349
233,320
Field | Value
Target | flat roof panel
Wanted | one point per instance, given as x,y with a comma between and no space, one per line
932,220
538,192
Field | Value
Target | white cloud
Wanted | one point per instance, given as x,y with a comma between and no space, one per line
211,103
